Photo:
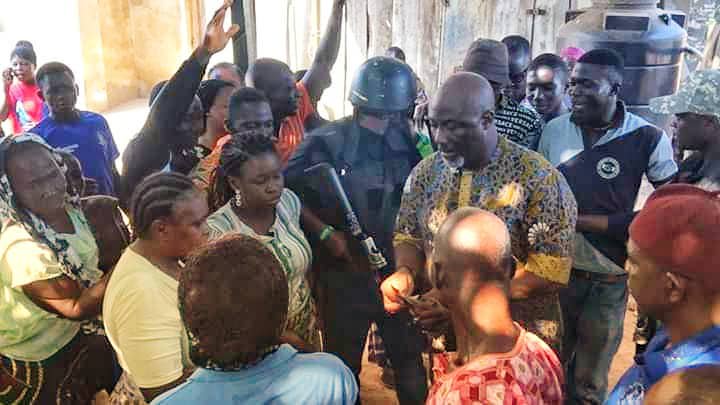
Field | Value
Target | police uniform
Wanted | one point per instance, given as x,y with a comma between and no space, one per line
372,169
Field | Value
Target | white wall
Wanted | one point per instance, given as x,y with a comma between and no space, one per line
41,22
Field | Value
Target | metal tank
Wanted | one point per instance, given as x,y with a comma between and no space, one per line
649,38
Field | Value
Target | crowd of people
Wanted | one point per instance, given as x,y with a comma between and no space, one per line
486,236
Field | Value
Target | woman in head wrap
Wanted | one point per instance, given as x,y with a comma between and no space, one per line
249,195
22,104
49,283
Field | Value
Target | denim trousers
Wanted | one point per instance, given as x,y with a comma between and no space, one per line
593,314
352,302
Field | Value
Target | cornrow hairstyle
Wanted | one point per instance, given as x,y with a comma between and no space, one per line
155,197
52,68
24,50
233,156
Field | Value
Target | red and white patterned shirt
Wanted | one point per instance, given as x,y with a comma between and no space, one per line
530,374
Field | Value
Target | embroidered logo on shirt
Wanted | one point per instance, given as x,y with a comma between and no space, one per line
608,168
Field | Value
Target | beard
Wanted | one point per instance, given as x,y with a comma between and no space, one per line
455,164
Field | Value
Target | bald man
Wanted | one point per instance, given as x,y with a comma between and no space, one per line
292,103
476,167
696,386
472,268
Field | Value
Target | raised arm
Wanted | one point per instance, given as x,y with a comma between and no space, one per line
326,54
178,93
7,80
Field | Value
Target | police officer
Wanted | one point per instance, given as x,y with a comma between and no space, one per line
373,152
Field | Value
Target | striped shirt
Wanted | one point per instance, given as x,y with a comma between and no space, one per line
518,124
287,241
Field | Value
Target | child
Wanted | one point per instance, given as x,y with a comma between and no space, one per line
85,134
22,104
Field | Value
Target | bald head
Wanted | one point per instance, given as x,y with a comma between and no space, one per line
697,386
276,80
472,239
465,93
265,71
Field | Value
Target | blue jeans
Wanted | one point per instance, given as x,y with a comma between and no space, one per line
352,302
593,314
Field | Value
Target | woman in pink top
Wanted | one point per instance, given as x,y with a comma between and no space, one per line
21,101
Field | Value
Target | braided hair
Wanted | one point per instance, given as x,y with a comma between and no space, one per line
233,156
155,197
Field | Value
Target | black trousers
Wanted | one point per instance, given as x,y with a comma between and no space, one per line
351,303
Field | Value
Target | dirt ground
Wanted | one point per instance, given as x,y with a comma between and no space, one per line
373,392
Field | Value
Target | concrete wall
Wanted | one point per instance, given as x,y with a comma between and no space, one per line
52,27
118,49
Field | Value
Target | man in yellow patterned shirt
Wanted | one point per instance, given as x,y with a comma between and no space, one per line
476,167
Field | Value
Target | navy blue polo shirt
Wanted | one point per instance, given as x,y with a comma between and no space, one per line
606,180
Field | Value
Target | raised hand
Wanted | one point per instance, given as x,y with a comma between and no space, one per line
216,38
7,77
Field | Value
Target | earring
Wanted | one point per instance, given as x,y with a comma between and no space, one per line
238,199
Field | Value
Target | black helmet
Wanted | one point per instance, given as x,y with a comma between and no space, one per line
384,84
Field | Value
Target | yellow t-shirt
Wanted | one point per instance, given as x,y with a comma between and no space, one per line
28,332
142,322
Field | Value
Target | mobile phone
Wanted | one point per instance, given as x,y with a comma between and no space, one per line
410,299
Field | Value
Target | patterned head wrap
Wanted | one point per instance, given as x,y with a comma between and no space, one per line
12,212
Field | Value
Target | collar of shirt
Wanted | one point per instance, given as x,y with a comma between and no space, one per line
658,360
563,140
283,355
623,123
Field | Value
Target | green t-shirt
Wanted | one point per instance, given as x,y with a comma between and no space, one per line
28,332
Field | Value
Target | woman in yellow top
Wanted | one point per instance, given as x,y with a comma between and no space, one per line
49,283
140,311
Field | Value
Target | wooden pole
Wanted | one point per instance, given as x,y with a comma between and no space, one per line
243,49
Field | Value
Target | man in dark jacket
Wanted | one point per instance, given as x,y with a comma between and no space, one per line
168,140
373,153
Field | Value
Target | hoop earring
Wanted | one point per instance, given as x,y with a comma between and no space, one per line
238,200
